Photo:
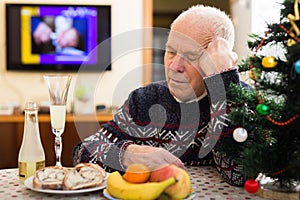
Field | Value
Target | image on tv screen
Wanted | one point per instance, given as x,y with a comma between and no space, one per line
58,34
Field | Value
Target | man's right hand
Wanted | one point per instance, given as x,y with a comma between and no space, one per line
150,156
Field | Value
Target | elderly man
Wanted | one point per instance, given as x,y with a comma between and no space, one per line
178,120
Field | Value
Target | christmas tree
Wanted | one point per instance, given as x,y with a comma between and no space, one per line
266,136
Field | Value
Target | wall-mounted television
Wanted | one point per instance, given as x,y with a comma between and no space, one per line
48,37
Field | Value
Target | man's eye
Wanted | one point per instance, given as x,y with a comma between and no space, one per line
170,52
191,57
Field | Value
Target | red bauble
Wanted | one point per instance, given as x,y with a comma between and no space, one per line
251,186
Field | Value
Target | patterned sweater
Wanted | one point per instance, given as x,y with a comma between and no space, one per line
151,116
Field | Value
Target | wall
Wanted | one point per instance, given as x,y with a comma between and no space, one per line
111,87
252,16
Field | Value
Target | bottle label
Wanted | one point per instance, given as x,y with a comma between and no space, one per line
27,169
22,169
40,165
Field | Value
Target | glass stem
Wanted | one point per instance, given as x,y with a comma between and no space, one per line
58,149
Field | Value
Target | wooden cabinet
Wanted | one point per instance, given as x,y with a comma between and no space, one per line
76,129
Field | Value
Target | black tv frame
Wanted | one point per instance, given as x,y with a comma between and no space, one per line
13,43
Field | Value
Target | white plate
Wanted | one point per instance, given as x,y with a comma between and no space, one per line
108,196
28,183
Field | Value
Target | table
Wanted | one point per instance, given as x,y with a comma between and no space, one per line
205,181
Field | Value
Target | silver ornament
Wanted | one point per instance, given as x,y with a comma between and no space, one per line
240,134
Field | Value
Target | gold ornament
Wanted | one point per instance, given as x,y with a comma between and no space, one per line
291,42
292,19
268,62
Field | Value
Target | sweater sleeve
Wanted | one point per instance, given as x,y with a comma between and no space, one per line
216,86
99,149
219,125
107,145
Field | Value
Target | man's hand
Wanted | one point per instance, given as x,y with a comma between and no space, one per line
150,156
217,57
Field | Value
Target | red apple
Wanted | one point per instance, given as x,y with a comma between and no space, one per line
181,188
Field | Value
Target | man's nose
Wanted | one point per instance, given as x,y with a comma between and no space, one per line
178,63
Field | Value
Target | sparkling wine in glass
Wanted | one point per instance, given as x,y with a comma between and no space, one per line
58,86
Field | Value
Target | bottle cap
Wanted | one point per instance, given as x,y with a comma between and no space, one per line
31,106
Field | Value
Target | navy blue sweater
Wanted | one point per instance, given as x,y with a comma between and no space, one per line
151,116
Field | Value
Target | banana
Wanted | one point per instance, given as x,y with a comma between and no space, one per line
122,189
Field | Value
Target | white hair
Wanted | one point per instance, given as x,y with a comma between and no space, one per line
217,22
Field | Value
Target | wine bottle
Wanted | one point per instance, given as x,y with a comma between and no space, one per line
31,153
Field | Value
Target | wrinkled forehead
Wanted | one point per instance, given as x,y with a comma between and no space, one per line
178,40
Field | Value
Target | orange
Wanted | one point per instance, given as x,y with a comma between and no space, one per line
137,173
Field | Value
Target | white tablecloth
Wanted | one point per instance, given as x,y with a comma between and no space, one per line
206,182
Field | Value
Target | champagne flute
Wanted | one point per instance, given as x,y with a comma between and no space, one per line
58,86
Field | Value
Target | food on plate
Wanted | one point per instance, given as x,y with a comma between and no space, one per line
84,175
181,189
137,173
49,178
118,187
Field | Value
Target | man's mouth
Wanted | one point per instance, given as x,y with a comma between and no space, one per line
178,81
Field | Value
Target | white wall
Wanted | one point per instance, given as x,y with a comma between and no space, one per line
112,86
252,16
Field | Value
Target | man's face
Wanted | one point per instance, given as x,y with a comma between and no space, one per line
182,66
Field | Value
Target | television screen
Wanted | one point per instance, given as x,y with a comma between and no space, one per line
58,37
